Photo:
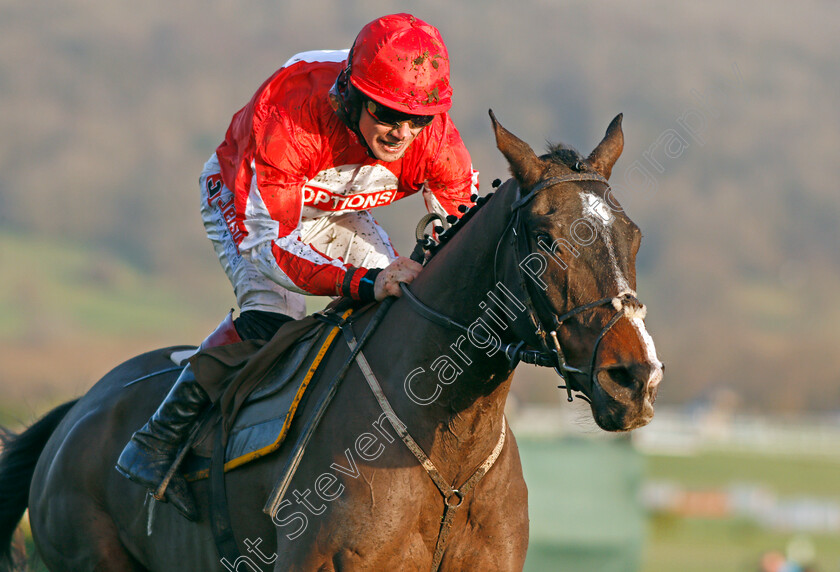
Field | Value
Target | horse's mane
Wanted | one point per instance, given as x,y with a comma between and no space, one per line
444,236
563,154
558,153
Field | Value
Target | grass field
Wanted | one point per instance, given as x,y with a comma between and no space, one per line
693,545
586,515
704,544
583,505
73,313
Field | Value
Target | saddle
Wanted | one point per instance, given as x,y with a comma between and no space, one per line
257,388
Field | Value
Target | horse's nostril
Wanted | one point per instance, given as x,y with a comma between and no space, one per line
632,375
621,375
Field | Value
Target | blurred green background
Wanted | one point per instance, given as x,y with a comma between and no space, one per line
603,504
108,112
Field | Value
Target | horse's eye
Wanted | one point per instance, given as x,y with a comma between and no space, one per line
543,238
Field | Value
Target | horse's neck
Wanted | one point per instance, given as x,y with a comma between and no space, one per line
463,422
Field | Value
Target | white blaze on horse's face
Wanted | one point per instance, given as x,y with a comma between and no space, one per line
650,350
595,206
599,213
636,317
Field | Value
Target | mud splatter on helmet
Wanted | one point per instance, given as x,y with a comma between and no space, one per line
401,62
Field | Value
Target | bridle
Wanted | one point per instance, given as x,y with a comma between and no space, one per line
545,356
549,354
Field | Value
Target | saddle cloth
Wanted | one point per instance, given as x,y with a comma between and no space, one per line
257,388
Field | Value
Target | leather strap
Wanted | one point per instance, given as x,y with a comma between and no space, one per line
515,352
219,514
272,505
452,498
551,181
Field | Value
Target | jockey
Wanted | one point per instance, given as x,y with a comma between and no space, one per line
286,197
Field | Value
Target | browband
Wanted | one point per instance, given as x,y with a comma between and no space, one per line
551,181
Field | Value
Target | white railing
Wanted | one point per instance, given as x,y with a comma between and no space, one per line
675,431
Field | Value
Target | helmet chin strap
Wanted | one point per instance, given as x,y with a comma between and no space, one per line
346,102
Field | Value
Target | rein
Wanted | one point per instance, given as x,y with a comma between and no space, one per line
514,352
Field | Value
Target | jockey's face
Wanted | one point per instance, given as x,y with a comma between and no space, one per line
387,142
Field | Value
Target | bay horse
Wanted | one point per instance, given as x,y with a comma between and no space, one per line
547,263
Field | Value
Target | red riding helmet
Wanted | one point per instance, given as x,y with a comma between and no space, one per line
402,63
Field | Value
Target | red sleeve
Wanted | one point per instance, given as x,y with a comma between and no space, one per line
272,212
451,178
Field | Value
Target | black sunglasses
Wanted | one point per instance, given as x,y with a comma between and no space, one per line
393,118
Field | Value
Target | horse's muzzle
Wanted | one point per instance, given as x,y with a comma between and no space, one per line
624,395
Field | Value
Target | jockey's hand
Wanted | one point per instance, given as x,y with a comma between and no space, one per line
403,269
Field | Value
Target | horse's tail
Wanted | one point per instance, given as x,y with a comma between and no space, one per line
17,464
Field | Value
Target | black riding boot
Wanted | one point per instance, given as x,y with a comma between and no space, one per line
152,450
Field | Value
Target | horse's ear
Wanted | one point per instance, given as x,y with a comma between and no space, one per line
609,149
524,163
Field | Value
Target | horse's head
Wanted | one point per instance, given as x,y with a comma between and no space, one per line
576,250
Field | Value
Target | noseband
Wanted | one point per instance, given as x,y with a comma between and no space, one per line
549,354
